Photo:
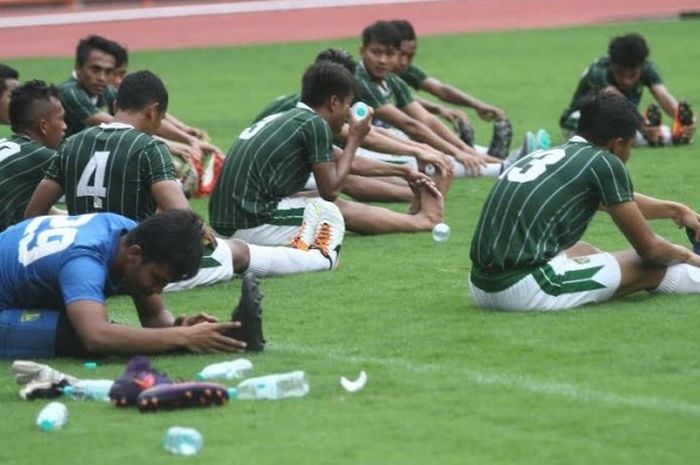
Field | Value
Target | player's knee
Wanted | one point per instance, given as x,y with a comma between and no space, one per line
241,255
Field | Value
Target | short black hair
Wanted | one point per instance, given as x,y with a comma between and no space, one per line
607,114
382,32
405,29
324,79
140,89
338,55
628,51
121,55
23,100
6,73
90,43
173,238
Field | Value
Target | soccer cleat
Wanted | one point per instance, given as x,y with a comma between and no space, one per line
652,119
502,137
683,118
330,233
691,236
137,377
305,236
249,313
466,132
26,372
182,395
209,173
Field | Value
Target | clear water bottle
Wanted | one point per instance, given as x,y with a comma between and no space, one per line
233,369
89,389
441,232
278,386
179,440
52,417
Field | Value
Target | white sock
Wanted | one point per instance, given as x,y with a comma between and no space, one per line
278,261
491,170
680,279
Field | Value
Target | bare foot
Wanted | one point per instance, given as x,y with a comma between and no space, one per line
432,206
443,182
416,203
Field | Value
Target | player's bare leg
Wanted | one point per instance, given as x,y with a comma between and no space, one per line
580,249
366,189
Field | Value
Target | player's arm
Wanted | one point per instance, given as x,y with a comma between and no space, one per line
196,132
450,114
46,194
89,318
455,96
682,215
651,247
330,176
168,195
98,118
664,99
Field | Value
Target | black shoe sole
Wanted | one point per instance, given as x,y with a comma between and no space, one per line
249,313
182,395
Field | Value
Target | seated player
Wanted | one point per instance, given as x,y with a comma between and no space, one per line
9,79
57,272
36,118
272,160
526,251
627,69
197,166
419,80
119,167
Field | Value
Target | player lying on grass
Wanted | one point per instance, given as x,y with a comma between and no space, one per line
119,167
369,181
57,272
196,164
419,80
627,68
526,251
272,160
9,79
36,118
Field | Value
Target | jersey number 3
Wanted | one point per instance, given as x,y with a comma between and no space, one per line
536,166
58,236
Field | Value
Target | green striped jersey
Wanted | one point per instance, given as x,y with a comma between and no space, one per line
281,104
79,105
111,168
391,91
270,160
413,76
22,165
542,205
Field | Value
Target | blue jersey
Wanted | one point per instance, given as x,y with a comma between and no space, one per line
50,261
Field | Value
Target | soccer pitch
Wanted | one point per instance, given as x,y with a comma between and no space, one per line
448,383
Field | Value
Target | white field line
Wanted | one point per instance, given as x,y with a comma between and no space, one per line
517,382
186,10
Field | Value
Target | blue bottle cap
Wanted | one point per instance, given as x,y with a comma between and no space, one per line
90,365
232,393
46,425
67,390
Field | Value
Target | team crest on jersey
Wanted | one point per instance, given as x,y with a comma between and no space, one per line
29,316
582,260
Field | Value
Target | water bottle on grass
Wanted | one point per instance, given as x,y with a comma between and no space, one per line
226,370
278,386
89,389
52,417
179,440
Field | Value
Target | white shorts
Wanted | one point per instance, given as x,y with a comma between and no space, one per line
285,224
217,266
560,284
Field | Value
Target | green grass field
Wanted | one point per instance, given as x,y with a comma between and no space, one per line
448,383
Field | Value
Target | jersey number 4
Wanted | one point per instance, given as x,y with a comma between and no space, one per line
95,171
57,234
536,166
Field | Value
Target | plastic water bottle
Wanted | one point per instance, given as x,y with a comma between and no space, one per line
89,389
359,111
233,369
429,169
179,440
52,417
278,386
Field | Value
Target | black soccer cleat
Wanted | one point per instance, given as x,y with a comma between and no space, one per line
684,117
691,236
249,313
502,137
466,132
182,395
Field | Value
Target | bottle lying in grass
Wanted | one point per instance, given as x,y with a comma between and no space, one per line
52,417
182,441
278,386
89,389
233,369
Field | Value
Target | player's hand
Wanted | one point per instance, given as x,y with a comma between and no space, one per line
359,129
453,115
413,176
182,151
209,236
200,134
208,337
652,134
689,131
688,218
190,320
439,160
472,163
489,112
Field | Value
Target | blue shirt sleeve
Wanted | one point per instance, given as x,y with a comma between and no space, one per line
83,278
